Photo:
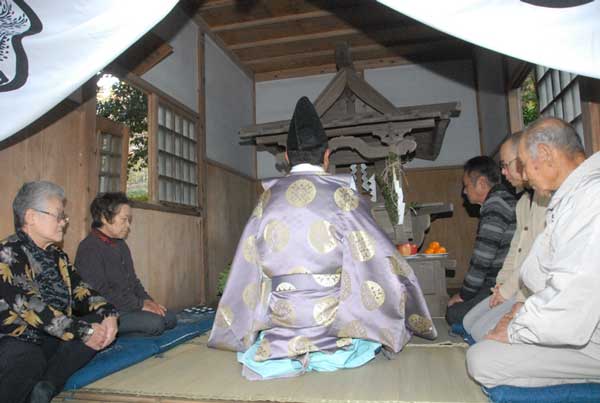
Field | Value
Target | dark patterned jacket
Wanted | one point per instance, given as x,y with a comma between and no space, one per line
41,293
496,228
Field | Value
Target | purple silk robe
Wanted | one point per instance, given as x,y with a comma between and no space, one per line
312,271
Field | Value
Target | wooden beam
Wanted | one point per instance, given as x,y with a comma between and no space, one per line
300,44
438,49
206,30
358,19
328,68
269,20
295,38
250,14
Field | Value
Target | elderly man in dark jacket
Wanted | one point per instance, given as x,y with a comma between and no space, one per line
104,261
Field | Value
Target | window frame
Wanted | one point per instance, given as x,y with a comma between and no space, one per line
155,97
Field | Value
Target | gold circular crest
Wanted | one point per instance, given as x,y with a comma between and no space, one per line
249,250
250,295
420,324
372,295
265,291
263,352
320,236
249,339
277,235
345,286
262,203
324,311
362,246
301,193
300,345
299,270
224,317
399,267
282,287
387,337
403,300
343,342
283,313
328,280
346,199
353,329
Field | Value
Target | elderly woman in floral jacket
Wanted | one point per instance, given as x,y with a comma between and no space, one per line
51,322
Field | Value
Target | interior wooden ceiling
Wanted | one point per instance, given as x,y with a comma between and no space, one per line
288,38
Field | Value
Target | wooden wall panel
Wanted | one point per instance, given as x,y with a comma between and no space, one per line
54,153
167,253
456,233
230,199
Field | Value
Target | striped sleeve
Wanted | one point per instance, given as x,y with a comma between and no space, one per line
496,229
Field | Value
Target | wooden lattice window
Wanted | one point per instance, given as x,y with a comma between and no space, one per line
177,156
558,93
113,143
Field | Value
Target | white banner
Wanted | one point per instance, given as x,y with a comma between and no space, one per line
49,48
565,36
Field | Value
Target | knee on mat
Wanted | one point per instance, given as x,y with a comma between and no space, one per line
155,326
478,363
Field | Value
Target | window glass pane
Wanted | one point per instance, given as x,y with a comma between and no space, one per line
555,83
116,144
169,119
105,142
161,115
576,99
178,124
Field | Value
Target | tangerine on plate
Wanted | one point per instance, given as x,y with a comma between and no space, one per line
442,250
430,251
434,245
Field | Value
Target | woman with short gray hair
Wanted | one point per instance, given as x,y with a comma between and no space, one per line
51,322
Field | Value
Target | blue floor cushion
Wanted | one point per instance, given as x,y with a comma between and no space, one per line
127,351
569,393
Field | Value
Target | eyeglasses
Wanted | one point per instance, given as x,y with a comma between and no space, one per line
506,165
60,217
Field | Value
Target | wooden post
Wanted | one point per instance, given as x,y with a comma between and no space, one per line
589,89
202,165
153,148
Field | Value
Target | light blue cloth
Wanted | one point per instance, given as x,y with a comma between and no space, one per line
358,353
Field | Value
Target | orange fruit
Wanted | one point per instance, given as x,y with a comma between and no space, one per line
434,245
429,251
442,250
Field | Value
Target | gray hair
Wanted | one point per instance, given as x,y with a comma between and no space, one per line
34,195
513,139
554,132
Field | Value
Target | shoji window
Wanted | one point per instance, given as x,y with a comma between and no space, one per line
558,93
177,156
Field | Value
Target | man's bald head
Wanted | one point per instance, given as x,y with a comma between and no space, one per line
549,151
555,133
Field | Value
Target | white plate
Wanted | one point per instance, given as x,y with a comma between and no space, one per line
428,256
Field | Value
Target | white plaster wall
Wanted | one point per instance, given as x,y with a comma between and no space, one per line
493,108
229,106
431,83
403,86
177,75
275,100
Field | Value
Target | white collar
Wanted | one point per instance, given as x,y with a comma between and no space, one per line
307,168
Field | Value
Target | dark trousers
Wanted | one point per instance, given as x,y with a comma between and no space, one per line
456,313
144,324
23,364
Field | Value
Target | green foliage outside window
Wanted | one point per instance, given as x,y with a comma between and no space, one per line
529,100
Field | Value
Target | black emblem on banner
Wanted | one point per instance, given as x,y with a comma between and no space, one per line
17,20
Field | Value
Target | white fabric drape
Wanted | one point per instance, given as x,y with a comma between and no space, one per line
48,48
566,39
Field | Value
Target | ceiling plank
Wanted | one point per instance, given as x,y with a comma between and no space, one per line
358,53
356,19
303,43
329,68
261,11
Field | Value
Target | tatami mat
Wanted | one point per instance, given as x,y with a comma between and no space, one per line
423,372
